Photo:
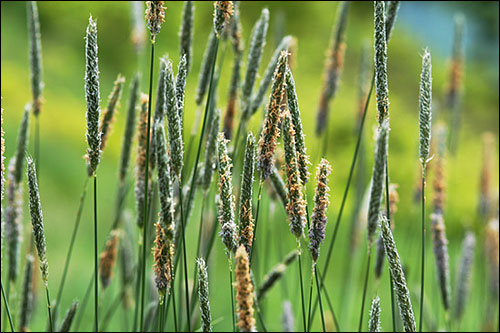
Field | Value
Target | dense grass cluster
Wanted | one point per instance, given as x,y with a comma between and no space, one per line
257,173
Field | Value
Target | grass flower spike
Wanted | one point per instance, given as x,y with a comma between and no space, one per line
206,316
319,218
186,33
400,286
425,114
271,131
374,322
382,90
296,204
226,198
222,15
108,115
155,16
246,221
92,96
35,56
244,292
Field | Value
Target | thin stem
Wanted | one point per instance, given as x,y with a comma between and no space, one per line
335,321
301,285
231,288
70,249
51,325
160,315
195,286
365,285
86,297
137,285
173,305
393,309
186,287
389,217
200,141
256,219
349,178
310,304
423,251
37,144
7,308
346,190
319,297
145,220
96,280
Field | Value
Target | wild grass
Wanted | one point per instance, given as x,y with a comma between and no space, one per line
141,285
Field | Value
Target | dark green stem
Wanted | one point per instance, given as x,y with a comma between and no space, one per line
37,145
137,286
310,305
203,126
184,252
365,285
301,285
256,219
423,251
51,325
145,220
96,254
70,250
231,287
389,218
346,190
319,297
7,309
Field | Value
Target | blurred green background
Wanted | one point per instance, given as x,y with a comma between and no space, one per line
419,25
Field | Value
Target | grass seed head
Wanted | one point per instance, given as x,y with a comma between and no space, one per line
425,114
108,115
319,217
246,219
140,168
68,318
257,42
155,16
206,316
440,246
27,295
129,129
381,86
398,276
462,288
186,33
107,258
226,198
374,321
206,68
163,259
378,180
35,55
92,96
391,13
13,221
244,291
270,131
491,246
222,15
37,219
296,204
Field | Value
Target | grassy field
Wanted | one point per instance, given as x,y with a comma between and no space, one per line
62,170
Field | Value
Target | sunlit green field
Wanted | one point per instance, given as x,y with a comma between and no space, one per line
63,170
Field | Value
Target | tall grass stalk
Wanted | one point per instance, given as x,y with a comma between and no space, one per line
146,183
70,249
7,309
425,116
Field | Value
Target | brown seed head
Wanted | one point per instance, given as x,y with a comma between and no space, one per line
244,291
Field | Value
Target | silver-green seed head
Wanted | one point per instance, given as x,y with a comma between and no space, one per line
37,219
425,105
398,277
246,219
186,33
374,321
378,180
155,16
35,54
92,96
174,124
206,316
226,198
381,87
